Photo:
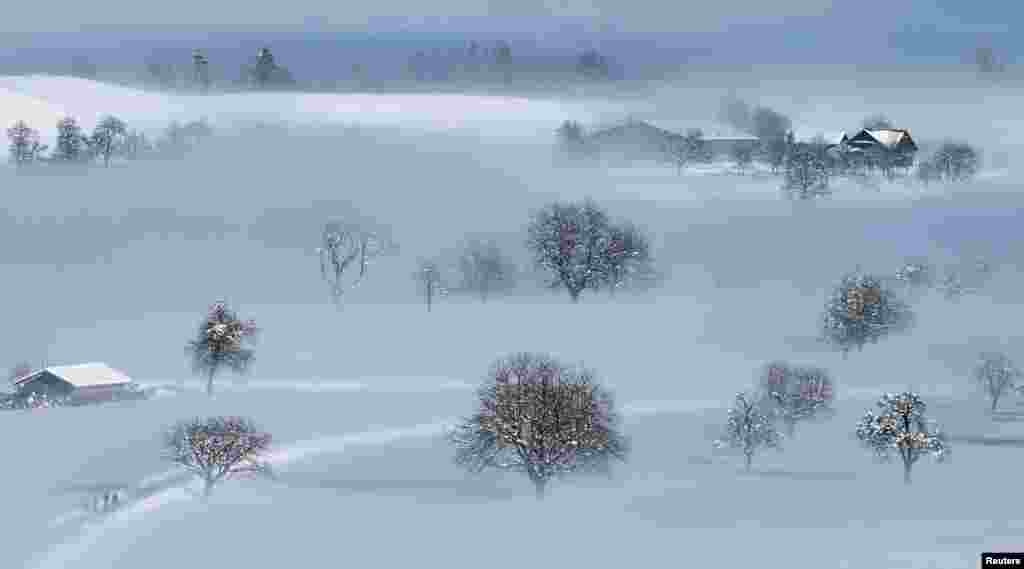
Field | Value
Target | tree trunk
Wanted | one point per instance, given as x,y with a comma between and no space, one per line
540,488
574,295
790,428
995,401
207,488
906,471
209,382
748,458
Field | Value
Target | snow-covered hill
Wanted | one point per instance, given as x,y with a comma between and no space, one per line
41,100
119,264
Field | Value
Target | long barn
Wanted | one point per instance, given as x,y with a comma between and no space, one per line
82,383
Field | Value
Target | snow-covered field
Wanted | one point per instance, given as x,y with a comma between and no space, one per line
119,265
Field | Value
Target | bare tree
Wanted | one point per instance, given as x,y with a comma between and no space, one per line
996,374
901,426
428,278
482,266
25,147
793,394
570,240
108,137
221,343
346,246
542,418
749,429
217,448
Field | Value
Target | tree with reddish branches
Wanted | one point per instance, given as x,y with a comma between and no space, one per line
792,394
542,418
217,449
221,343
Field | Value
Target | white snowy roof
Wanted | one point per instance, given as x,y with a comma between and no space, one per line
888,137
83,375
809,135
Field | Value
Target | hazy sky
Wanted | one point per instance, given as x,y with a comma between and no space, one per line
546,15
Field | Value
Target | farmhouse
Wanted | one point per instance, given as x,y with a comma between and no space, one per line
82,383
639,139
632,140
894,142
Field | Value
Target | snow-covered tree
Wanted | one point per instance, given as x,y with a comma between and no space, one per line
628,256
221,342
108,137
996,374
483,267
571,241
806,173
916,274
571,140
217,449
748,429
901,427
742,155
791,394
428,279
72,145
25,147
543,419
861,310
346,250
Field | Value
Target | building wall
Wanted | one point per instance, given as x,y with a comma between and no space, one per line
46,383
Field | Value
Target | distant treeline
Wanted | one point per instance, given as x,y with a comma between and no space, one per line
111,139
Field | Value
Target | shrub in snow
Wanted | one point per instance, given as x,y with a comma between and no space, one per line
541,418
861,310
996,375
748,429
217,448
900,427
221,343
791,394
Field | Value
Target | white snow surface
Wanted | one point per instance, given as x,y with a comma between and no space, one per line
120,266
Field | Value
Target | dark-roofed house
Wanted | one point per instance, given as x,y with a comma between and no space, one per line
80,384
893,142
